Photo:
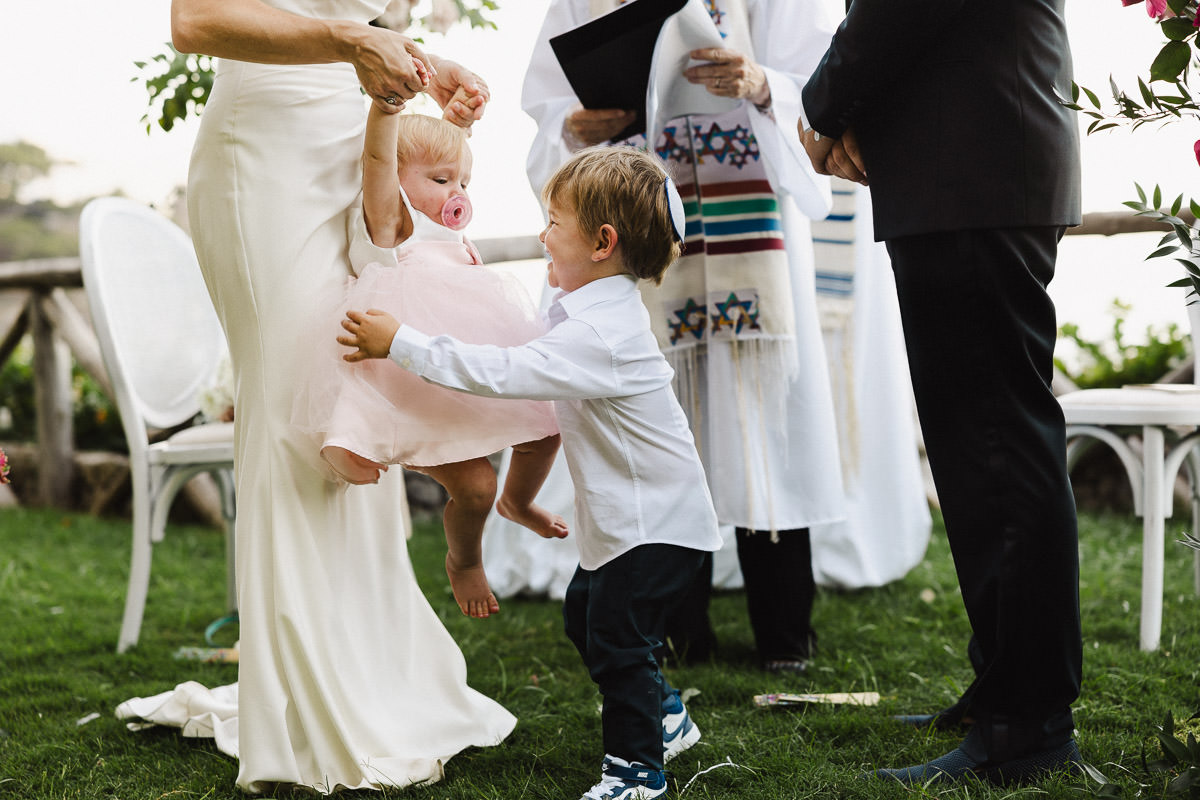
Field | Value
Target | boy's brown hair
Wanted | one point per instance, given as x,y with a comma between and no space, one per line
425,138
623,187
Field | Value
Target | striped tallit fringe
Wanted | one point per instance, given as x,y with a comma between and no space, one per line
764,368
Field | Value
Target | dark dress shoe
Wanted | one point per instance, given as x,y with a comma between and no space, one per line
957,765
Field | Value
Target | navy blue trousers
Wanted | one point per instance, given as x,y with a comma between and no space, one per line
615,616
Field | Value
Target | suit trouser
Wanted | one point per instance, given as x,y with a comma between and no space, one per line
615,616
779,587
980,332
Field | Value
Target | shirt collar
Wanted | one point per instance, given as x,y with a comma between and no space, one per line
614,286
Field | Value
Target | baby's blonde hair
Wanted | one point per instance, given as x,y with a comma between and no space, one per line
425,138
623,187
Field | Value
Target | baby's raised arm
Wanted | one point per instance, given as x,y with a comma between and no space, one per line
388,222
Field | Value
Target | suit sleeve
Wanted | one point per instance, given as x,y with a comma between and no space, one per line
876,46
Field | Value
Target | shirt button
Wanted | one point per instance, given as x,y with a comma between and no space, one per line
406,363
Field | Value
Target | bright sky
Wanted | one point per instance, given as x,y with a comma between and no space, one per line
65,85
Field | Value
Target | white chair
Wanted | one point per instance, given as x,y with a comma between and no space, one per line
162,344
1166,419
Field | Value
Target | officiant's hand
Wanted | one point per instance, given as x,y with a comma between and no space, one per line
585,127
729,73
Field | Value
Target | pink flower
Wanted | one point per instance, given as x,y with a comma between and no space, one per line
1130,2
4,457
1156,8
1196,148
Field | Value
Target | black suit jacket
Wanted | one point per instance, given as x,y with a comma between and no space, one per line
955,109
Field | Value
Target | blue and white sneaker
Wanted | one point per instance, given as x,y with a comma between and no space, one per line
625,781
679,732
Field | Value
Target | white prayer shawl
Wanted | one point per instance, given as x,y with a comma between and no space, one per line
769,447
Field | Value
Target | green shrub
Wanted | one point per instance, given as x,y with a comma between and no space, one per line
1119,362
95,419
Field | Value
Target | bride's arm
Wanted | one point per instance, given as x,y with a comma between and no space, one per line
250,30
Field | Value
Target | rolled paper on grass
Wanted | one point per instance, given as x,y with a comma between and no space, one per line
838,698
456,213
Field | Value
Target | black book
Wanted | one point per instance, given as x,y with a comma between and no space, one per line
607,60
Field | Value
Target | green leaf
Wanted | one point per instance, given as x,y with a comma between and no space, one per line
1163,251
1181,783
1170,61
1147,96
1091,96
1157,197
1177,28
1141,193
1178,204
1195,209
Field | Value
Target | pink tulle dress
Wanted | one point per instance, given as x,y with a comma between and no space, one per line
379,412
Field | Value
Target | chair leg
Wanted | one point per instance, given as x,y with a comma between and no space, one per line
1153,537
141,552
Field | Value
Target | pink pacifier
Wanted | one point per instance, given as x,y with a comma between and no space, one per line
456,213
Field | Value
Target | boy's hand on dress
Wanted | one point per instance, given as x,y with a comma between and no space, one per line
371,333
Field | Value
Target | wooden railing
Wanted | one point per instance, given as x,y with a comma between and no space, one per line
38,304
60,332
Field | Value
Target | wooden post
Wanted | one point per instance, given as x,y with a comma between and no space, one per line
52,394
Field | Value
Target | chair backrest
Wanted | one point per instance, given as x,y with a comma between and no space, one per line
151,310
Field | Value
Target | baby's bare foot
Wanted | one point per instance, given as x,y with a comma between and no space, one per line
471,590
534,517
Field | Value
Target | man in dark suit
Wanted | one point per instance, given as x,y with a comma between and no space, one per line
949,109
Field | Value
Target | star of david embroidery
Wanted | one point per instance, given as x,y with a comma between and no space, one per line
690,319
735,313
717,15
672,149
736,146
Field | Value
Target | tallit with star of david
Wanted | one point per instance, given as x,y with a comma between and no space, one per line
732,282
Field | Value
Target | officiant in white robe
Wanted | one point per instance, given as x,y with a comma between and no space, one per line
760,404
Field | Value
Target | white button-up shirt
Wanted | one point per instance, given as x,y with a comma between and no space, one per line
638,479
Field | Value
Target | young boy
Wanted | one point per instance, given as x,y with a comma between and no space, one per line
644,516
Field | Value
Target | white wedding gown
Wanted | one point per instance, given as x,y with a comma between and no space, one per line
347,679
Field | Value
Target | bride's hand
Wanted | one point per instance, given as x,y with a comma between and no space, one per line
460,92
391,68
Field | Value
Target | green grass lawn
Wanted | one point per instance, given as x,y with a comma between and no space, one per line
62,581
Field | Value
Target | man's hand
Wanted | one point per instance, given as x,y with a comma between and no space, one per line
818,149
370,334
840,157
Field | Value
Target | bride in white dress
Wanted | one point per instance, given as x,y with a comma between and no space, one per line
347,678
